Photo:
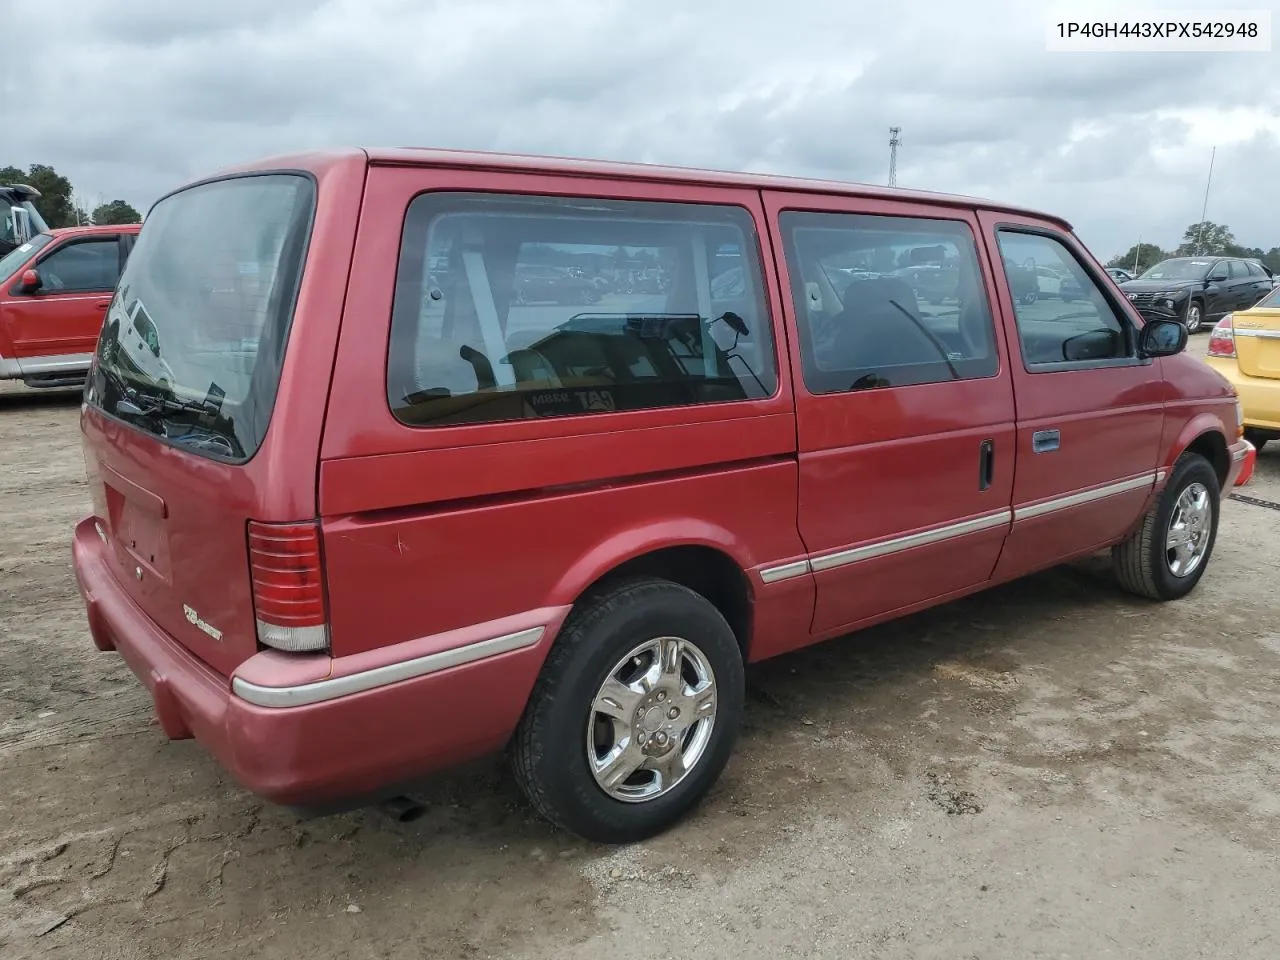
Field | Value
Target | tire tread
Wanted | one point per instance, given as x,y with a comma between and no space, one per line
1134,560
526,747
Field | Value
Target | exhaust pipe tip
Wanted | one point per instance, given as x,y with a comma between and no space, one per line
402,809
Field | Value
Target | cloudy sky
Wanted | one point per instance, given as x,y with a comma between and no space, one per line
132,97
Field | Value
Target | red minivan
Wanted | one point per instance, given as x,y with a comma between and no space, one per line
370,502
54,293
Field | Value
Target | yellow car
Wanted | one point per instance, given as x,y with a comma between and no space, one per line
1245,348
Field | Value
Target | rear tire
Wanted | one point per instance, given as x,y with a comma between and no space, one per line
581,715
1167,555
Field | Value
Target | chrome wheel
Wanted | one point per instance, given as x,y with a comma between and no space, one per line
651,719
1187,538
1193,317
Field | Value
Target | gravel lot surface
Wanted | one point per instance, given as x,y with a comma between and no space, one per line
1051,769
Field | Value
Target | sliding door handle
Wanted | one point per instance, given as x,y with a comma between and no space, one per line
986,463
1045,441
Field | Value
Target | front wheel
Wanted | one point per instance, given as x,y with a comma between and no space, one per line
1167,555
634,715
1194,319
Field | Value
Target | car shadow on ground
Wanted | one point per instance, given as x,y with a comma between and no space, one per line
27,399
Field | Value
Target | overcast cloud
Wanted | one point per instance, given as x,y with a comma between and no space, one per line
132,97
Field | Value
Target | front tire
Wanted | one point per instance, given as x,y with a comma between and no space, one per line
635,713
1194,318
1167,555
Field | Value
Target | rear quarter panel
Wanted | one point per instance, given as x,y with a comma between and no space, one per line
428,530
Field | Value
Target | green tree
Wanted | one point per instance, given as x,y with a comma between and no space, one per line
1146,255
1272,259
55,192
115,212
1207,238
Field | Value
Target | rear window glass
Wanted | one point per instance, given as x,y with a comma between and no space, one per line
194,339
510,308
1271,300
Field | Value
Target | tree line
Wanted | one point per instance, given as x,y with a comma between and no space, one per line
1205,239
58,203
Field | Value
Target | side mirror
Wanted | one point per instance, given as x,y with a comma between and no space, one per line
30,281
1162,338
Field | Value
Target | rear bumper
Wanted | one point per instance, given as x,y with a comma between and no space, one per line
1259,396
361,739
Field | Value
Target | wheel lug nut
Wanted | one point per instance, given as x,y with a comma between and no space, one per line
661,696
673,712
642,738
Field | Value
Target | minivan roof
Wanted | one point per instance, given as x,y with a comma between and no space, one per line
505,162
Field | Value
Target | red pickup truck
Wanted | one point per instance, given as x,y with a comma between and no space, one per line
54,292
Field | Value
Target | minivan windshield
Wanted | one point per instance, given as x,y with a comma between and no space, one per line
16,257
8,222
194,339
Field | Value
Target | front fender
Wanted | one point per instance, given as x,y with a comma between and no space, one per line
1192,430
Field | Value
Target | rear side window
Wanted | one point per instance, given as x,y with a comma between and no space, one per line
81,266
1068,322
887,301
511,308
193,343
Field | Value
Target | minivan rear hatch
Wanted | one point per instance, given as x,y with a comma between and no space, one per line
1257,336
179,397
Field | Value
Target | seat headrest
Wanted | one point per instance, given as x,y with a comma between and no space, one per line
864,295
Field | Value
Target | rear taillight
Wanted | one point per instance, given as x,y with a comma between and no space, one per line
288,586
1222,342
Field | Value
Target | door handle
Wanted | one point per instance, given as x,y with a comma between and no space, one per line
1045,441
986,463
103,305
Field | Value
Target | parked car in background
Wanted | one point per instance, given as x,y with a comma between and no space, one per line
1271,274
1023,281
54,293
1245,348
386,529
1199,289
932,282
1119,274
19,218
543,284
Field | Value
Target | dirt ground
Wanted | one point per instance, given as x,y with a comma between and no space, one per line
1052,769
